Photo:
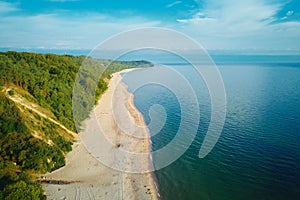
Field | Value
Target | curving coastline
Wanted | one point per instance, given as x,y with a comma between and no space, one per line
87,177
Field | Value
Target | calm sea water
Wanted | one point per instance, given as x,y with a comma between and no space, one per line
258,153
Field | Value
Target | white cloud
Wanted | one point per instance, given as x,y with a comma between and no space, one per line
6,7
226,24
173,4
287,15
56,31
198,18
249,14
290,13
247,24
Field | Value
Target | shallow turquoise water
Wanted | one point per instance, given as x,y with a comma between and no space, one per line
258,153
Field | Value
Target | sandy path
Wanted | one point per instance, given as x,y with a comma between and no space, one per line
35,108
115,128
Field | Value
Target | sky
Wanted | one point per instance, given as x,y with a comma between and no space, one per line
268,25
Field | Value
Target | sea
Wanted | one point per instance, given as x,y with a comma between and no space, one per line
257,155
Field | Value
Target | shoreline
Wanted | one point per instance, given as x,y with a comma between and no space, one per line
141,122
87,177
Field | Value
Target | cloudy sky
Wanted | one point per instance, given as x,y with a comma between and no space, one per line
216,24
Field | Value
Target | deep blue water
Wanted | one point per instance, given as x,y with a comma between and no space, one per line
258,153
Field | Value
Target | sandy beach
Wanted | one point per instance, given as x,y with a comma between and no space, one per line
116,135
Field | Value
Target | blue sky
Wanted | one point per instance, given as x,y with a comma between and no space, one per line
216,24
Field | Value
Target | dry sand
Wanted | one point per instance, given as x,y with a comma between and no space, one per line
115,128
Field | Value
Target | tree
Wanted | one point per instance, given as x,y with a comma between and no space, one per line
24,191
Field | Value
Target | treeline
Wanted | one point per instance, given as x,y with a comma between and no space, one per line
46,80
89,88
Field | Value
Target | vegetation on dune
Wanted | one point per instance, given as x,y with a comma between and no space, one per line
29,141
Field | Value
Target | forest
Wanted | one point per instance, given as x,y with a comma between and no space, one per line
30,143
